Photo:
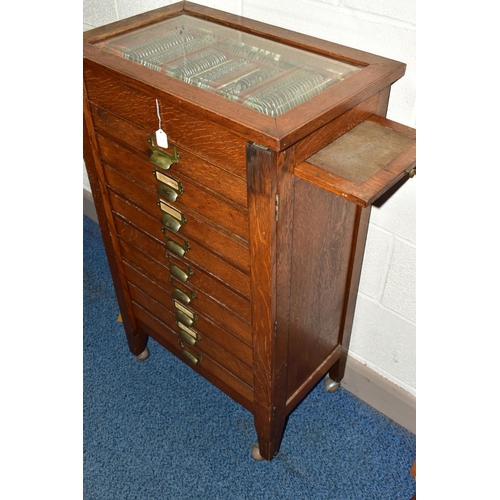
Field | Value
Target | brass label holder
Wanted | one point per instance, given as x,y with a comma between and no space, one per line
188,335
169,181
184,315
168,187
172,218
185,310
165,207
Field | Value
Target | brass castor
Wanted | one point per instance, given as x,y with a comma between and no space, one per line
331,385
144,355
256,452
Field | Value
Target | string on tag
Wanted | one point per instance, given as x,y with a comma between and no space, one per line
158,113
161,136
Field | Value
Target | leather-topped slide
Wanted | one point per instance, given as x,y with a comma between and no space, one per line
363,163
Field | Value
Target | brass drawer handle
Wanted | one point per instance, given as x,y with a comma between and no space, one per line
170,194
177,249
179,273
171,223
181,296
185,319
194,360
187,338
160,157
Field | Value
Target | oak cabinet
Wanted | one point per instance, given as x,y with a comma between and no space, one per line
237,243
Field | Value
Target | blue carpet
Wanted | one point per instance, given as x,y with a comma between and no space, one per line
158,430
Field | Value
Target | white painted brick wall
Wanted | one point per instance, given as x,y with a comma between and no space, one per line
399,289
384,329
128,8
402,11
231,6
99,12
385,342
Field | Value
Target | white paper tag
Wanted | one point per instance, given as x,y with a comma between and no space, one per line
161,138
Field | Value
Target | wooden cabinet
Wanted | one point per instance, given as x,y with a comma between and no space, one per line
238,247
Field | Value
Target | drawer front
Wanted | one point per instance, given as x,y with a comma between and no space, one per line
183,231
154,255
201,137
194,227
130,172
207,174
198,255
199,300
207,367
211,338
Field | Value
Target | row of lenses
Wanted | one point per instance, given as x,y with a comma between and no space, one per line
190,46
288,93
211,64
254,53
203,79
236,87
164,43
197,63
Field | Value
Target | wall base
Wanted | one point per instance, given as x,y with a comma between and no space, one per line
381,394
88,206
363,382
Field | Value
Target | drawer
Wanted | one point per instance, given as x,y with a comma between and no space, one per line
212,244
222,354
199,136
200,279
213,265
129,172
210,369
210,333
203,303
207,174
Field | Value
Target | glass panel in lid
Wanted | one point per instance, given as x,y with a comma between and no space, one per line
267,76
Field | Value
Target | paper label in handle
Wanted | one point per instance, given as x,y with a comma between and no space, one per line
161,138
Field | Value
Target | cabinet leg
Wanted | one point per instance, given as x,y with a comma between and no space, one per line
270,427
138,346
337,371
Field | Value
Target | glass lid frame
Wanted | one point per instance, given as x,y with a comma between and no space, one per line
267,76
374,74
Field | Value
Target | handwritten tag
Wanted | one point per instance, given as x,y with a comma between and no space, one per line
161,138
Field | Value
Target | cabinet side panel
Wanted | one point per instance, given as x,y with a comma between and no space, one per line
322,236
